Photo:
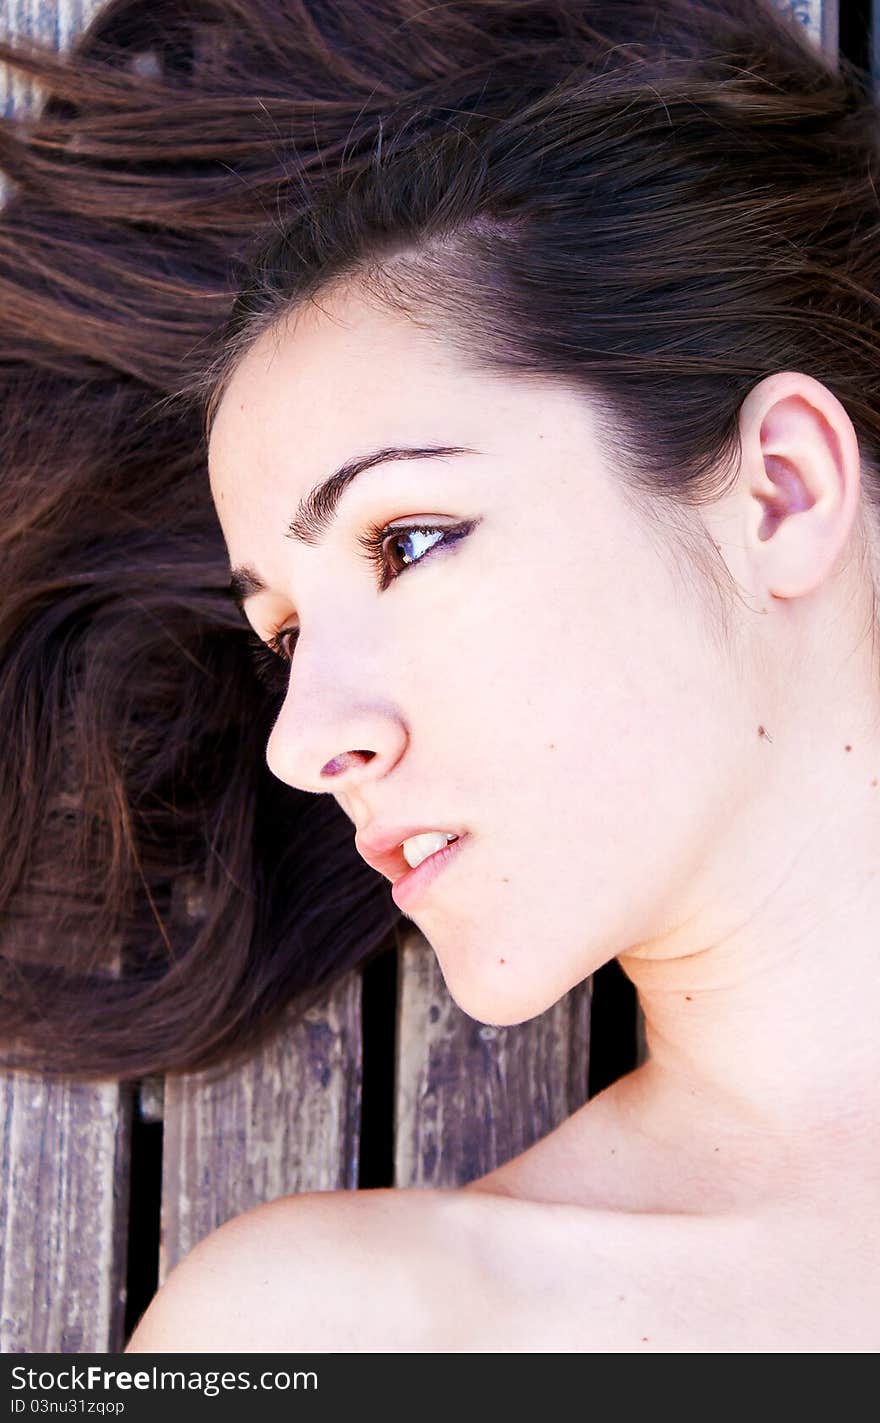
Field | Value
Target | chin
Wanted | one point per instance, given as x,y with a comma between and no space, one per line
496,1004
499,979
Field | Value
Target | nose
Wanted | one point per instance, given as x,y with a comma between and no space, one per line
334,743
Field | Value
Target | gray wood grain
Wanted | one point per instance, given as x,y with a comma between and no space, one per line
821,20
286,1121
64,1163
55,22
469,1096
64,1172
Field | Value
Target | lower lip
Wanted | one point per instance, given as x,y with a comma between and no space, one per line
407,890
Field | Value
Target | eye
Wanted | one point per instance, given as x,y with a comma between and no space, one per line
272,658
376,537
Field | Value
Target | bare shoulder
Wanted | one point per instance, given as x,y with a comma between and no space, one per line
481,1269
390,1270
352,1271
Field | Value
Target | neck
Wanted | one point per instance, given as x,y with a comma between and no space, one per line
761,1027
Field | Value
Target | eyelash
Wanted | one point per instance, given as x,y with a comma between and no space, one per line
270,660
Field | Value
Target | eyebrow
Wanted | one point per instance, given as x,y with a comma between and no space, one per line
317,510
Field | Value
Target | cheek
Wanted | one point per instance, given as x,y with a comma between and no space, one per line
594,809
603,732
597,737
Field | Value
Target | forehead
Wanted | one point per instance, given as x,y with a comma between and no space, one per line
332,379
344,377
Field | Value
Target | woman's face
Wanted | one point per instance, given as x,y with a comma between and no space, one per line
542,681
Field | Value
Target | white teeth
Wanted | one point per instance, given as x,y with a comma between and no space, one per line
419,847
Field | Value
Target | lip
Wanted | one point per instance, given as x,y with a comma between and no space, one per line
382,847
409,888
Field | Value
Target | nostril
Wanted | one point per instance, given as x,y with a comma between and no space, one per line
340,763
333,767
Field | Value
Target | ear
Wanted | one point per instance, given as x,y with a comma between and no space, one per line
801,471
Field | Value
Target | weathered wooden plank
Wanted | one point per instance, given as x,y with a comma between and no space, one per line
55,22
64,1164
286,1121
820,18
470,1096
151,1099
64,1158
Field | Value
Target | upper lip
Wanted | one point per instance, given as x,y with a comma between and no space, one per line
381,846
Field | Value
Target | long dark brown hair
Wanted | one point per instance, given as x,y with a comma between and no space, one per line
656,203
